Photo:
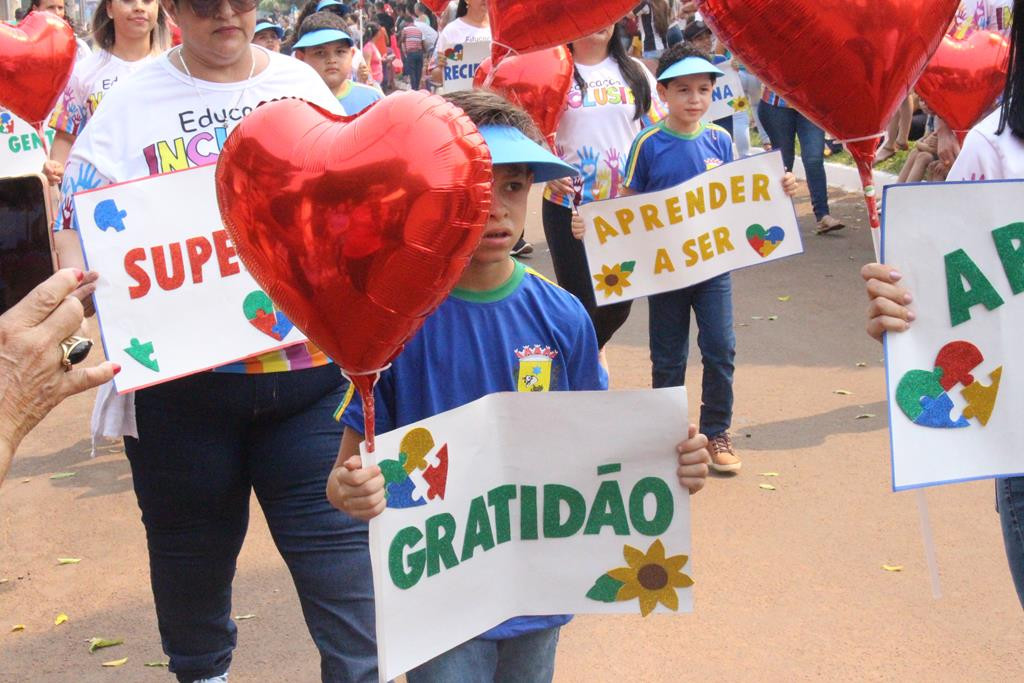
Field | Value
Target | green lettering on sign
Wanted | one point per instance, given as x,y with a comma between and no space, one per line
478,529
554,496
400,576
664,506
439,545
960,269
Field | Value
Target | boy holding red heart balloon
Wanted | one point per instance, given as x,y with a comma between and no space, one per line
498,307
678,148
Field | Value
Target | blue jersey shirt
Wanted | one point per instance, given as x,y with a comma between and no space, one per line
357,97
662,158
527,335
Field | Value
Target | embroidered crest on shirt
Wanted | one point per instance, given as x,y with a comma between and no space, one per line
535,368
712,162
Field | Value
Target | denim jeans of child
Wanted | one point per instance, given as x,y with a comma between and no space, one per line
784,125
669,326
414,67
205,443
528,658
1010,501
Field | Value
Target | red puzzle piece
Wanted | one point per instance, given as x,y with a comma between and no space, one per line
957,359
437,476
265,322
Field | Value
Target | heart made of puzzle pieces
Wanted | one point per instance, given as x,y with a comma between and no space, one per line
964,78
923,395
419,475
36,59
764,242
803,48
263,315
357,227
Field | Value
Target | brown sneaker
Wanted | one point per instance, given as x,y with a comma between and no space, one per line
723,458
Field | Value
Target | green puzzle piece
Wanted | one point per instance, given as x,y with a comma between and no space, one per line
143,353
914,386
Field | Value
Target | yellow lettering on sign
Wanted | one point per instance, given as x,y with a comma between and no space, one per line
604,229
649,214
761,188
662,262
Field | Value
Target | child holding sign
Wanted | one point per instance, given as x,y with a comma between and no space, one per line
499,312
674,150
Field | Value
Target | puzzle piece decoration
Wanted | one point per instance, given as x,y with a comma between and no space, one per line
915,386
400,495
107,215
437,476
956,360
416,445
283,326
143,354
981,399
935,413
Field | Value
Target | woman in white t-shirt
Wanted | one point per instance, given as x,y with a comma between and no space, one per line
128,33
199,446
472,24
613,98
993,150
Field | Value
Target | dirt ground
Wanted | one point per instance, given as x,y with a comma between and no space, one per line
790,584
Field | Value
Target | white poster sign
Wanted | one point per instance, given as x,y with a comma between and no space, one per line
728,97
21,150
461,62
733,216
173,297
953,378
487,521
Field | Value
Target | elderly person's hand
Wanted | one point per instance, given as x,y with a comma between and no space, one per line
33,378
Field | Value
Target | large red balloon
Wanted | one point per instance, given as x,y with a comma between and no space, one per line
527,25
36,59
357,227
964,78
436,6
846,65
539,82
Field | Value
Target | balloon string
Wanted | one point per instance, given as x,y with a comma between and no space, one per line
41,131
862,139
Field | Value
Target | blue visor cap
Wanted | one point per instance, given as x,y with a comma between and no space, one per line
508,145
332,3
264,25
322,36
688,67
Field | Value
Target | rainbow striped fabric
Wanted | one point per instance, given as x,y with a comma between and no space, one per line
298,357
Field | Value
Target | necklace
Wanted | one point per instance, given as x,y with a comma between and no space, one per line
238,98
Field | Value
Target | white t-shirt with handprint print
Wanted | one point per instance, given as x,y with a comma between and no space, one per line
597,130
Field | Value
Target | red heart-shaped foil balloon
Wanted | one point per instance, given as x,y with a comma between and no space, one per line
964,78
846,65
357,227
436,6
538,82
36,59
527,25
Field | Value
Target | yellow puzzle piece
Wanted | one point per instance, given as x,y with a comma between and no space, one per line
416,444
981,399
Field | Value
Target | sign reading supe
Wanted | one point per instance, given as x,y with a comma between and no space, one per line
486,521
173,297
730,217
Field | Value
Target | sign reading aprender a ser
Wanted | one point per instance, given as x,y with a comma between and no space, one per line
730,217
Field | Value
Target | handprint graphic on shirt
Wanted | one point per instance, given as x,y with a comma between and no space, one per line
588,170
614,162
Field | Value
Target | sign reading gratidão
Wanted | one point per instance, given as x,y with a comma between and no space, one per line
730,217
486,521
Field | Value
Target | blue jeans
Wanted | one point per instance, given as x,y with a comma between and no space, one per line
784,125
529,658
205,443
414,67
1010,501
669,326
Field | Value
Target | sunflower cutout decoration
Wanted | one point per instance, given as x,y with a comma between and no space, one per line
614,279
739,103
651,577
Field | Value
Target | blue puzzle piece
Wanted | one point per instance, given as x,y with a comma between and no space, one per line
775,234
936,413
283,326
107,216
400,495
